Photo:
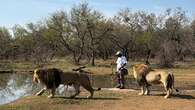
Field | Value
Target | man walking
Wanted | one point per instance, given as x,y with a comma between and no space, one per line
121,70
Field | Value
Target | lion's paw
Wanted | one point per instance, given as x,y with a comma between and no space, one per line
166,96
89,97
141,93
146,93
50,96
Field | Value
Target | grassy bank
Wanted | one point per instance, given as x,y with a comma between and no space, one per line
25,66
66,64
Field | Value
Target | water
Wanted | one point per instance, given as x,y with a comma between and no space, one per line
15,86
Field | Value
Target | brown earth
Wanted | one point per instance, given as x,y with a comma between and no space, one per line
107,100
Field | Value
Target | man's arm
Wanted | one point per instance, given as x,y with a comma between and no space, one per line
122,66
124,62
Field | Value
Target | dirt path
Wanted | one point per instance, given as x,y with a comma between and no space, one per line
108,99
131,101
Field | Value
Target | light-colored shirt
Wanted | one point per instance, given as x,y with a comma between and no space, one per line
120,62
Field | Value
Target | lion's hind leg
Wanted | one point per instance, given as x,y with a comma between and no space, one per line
77,89
89,88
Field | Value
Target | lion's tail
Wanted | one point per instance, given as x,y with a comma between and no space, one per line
171,82
96,89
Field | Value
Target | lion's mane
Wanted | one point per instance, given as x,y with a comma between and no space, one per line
49,77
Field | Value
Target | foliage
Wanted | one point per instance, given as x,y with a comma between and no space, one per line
86,34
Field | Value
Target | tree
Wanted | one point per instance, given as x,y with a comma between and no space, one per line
173,32
124,32
148,24
5,43
97,31
22,44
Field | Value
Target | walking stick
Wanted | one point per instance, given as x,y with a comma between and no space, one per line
112,69
113,75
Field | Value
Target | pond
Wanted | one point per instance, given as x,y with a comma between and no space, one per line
14,86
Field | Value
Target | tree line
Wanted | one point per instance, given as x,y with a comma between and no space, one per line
85,33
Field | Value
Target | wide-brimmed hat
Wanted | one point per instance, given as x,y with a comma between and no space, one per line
118,53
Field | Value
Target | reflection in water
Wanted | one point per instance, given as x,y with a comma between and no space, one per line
15,86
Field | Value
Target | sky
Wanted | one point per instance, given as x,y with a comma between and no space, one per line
25,11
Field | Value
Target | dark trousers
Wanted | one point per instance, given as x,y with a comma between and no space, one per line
120,79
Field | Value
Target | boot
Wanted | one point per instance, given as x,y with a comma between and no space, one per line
122,86
118,86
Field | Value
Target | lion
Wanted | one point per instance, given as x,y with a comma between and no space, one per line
145,76
53,77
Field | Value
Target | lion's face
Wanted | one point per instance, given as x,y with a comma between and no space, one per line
36,78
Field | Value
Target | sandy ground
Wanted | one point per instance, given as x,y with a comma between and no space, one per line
108,99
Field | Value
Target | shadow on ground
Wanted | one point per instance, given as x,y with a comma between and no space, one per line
180,96
83,98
